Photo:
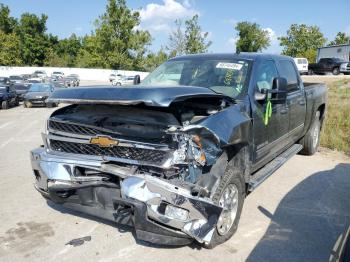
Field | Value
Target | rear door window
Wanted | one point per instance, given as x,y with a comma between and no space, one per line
287,70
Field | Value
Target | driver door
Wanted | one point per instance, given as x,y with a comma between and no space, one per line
270,137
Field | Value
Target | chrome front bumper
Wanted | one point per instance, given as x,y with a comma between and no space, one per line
55,172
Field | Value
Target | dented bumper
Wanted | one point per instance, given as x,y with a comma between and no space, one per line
160,211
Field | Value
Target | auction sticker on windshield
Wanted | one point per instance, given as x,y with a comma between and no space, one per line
231,66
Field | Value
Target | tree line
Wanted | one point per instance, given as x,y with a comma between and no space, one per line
117,42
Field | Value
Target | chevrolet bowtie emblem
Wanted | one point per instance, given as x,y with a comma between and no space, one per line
104,141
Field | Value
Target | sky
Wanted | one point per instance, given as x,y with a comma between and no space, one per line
218,18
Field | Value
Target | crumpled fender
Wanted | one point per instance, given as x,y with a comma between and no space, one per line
229,126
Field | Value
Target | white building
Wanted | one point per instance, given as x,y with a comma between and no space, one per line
338,51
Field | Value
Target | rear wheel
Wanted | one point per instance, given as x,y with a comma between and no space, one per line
310,72
5,104
335,71
311,140
229,195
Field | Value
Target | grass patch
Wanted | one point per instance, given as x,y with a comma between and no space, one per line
336,129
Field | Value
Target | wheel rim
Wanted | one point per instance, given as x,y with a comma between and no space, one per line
229,203
315,136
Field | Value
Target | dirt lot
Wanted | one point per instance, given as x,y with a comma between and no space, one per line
296,215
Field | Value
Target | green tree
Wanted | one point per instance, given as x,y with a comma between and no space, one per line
34,43
302,41
340,39
68,49
177,41
251,37
195,40
120,43
9,49
153,60
90,53
7,23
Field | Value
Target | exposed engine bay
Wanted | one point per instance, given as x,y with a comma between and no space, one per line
188,150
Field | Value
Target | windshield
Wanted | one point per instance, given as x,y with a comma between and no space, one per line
15,77
339,60
21,87
224,76
40,88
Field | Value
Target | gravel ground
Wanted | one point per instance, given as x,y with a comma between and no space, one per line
296,215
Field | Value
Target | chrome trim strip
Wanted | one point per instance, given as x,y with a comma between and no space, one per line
126,142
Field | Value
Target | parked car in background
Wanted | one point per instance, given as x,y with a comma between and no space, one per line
5,81
21,90
329,65
34,80
16,79
8,96
40,74
37,95
26,76
302,65
56,73
123,81
114,77
72,80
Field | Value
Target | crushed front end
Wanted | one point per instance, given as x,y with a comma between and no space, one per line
153,169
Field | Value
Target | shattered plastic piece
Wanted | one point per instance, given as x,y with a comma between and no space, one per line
78,241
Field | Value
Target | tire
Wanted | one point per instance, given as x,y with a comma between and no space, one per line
17,102
335,71
232,178
5,105
311,140
50,105
310,72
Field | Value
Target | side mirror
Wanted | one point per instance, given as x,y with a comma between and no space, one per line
279,90
137,79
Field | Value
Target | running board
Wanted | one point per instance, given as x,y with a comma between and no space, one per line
272,166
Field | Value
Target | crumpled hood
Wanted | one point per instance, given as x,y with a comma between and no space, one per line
151,96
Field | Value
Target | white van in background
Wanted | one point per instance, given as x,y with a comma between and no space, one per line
302,65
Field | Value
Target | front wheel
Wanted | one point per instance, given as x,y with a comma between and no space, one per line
310,72
230,196
336,71
5,104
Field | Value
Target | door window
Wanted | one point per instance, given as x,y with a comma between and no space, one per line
287,70
265,74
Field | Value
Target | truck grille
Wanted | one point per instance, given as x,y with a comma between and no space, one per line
91,131
131,153
76,129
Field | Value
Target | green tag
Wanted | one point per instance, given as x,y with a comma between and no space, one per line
268,112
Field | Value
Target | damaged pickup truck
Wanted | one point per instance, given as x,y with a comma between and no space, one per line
175,156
